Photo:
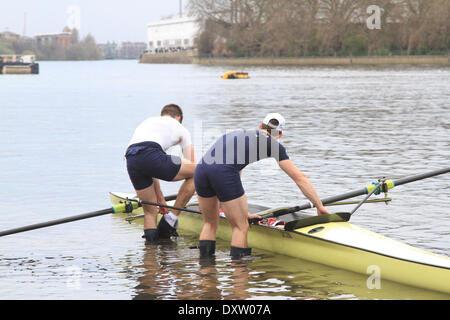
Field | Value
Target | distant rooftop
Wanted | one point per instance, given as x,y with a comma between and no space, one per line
173,19
52,34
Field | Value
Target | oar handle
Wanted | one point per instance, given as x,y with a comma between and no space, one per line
284,211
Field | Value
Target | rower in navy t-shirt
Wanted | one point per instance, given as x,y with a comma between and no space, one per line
217,179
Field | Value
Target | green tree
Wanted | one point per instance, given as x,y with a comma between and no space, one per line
356,44
6,48
75,37
91,49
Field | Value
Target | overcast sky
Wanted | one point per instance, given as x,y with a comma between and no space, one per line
111,20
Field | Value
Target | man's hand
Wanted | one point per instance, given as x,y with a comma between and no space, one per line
322,211
254,216
160,199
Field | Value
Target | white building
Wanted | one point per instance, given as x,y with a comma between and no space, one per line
172,35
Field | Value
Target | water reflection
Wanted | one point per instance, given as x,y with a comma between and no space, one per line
174,271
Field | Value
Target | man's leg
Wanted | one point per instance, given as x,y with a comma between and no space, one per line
150,213
236,212
187,189
209,207
168,224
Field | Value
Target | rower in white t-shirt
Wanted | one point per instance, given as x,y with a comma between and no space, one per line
164,130
147,161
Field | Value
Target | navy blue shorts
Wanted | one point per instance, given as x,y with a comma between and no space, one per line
218,180
147,160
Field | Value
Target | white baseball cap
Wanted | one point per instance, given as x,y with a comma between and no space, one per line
278,117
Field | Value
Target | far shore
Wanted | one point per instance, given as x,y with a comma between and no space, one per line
299,61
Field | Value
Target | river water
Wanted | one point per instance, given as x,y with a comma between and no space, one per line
63,134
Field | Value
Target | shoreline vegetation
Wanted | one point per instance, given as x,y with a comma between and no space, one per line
176,58
322,28
330,61
66,46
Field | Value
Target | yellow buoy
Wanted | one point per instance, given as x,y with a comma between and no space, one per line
235,75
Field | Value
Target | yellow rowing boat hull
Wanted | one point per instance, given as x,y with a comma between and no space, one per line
341,245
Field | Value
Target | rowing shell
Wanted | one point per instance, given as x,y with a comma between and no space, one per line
337,244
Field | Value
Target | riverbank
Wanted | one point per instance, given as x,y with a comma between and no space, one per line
185,58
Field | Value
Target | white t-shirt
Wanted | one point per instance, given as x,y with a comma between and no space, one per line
166,131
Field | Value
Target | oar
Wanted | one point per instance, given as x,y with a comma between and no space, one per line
382,186
141,202
125,207
387,185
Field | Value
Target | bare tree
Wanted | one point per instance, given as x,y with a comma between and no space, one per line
338,15
305,27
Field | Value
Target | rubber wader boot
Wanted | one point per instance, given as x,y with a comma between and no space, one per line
237,253
151,236
207,248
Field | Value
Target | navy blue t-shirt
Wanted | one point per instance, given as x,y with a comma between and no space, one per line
242,147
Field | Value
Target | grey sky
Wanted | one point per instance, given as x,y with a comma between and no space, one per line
111,20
